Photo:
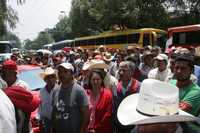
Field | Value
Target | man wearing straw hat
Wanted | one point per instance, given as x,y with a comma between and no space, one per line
45,108
156,110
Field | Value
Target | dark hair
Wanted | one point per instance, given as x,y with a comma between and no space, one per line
188,57
133,58
100,72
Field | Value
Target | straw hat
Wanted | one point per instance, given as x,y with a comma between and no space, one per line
157,102
108,57
47,71
95,63
162,57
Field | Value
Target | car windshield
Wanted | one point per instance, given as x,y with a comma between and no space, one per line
32,78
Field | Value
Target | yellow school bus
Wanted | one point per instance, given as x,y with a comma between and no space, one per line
120,39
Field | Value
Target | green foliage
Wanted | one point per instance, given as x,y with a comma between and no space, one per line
8,17
43,38
62,30
3,11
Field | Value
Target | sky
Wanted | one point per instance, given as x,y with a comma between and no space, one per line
36,15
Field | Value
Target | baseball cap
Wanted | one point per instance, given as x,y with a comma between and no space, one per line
67,66
10,64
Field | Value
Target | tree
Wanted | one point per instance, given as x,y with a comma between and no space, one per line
185,12
28,44
62,30
43,38
7,16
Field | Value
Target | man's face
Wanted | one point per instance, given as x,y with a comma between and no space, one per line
161,65
124,73
10,76
148,60
65,75
157,128
50,79
182,70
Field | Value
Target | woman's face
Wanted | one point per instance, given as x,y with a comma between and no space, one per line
96,81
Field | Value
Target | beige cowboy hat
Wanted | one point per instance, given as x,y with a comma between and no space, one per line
157,102
162,57
108,57
95,64
47,71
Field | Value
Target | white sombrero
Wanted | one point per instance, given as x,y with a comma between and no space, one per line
157,102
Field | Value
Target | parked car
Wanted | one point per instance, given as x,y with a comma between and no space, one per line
30,74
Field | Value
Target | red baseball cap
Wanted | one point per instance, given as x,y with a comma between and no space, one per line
10,64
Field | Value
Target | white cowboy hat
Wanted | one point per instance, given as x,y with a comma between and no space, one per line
47,71
157,102
95,64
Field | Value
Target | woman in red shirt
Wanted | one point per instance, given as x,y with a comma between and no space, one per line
100,101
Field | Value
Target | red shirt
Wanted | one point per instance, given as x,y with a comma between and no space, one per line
103,111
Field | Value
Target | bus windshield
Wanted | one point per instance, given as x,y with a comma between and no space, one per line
192,37
184,36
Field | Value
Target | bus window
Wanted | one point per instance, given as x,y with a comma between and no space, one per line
91,42
121,39
81,43
179,38
193,37
186,37
146,39
109,40
100,41
161,40
133,38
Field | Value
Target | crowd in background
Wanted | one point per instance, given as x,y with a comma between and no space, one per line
84,88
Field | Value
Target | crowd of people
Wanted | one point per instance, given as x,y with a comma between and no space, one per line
134,90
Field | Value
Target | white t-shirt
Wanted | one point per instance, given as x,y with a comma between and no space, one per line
3,83
156,74
7,115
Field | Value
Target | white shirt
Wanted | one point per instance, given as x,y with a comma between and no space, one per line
3,83
21,83
7,115
156,74
17,83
